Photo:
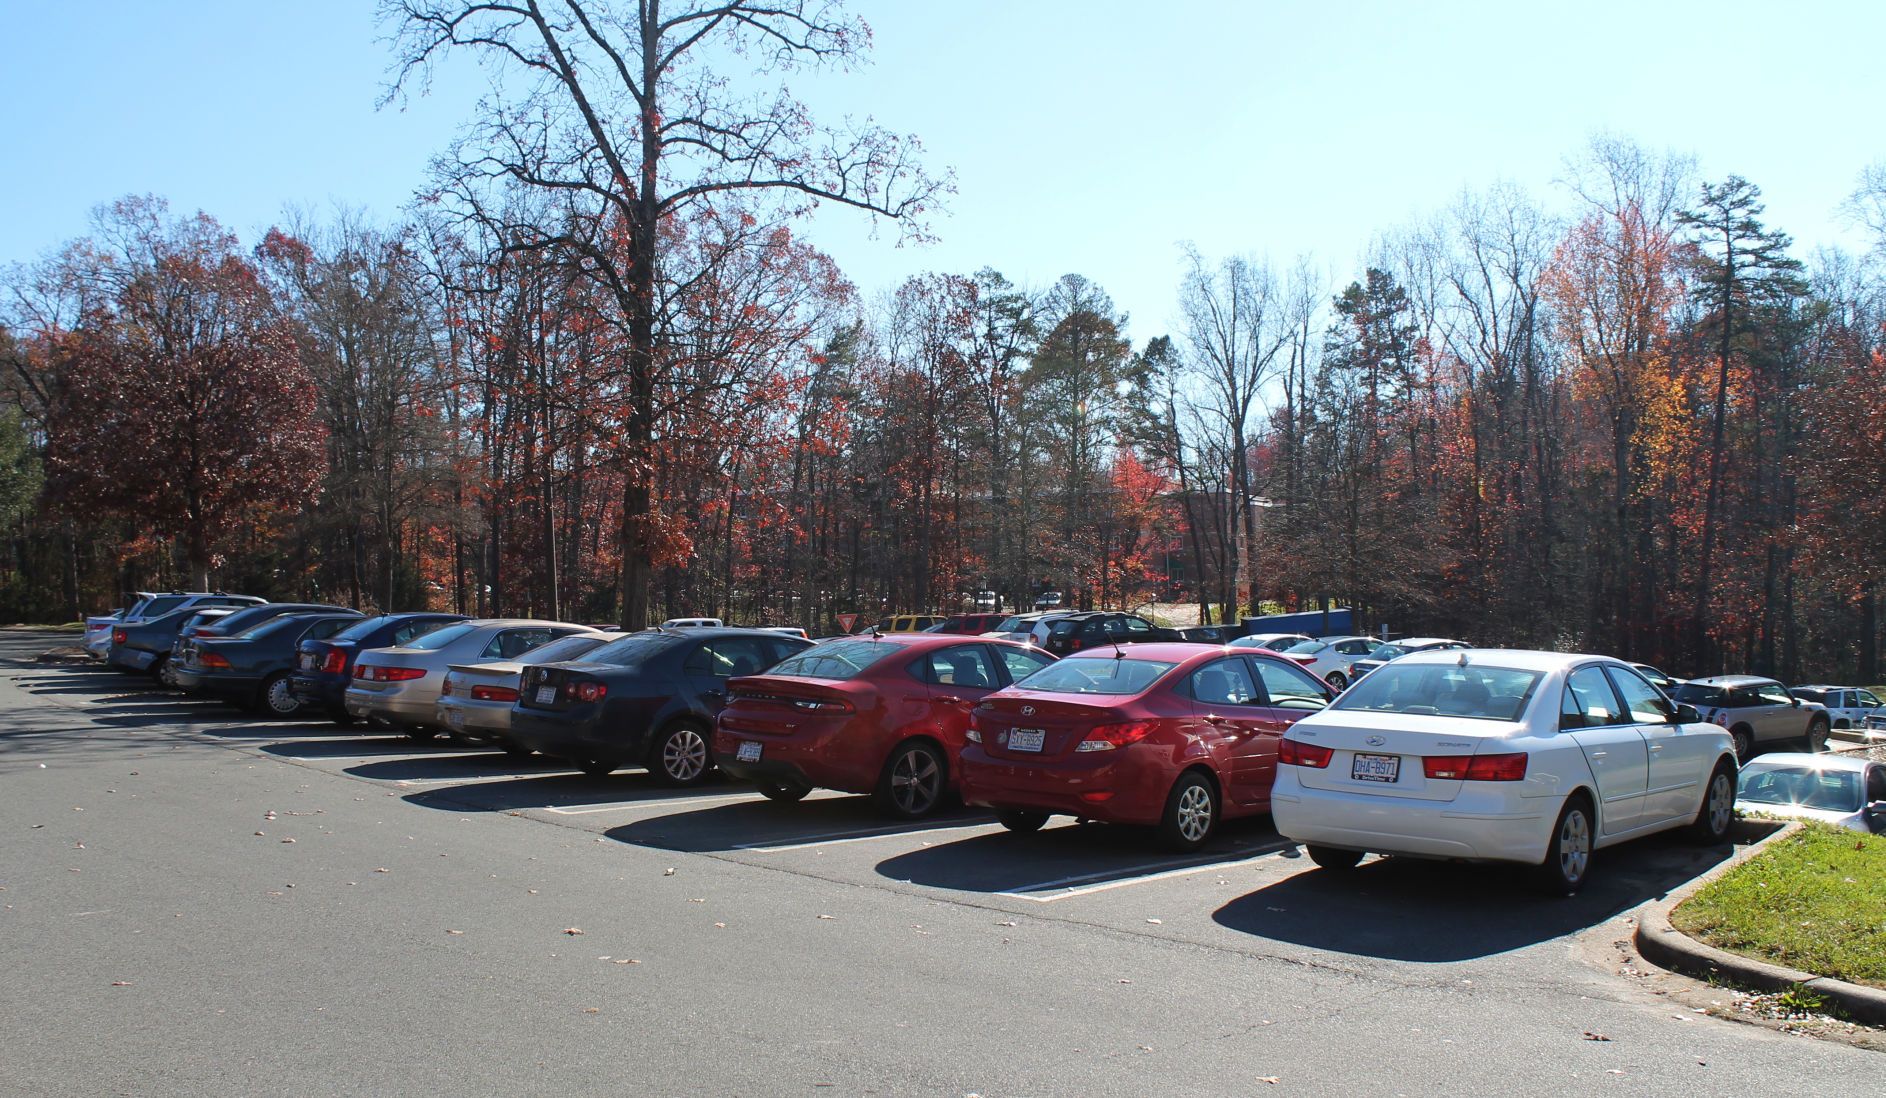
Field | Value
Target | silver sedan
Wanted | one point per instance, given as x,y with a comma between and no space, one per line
475,699
399,687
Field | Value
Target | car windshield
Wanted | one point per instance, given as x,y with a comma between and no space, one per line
1303,648
1810,693
1805,786
1444,690
835,660
439,638
1691,693
1103,675
568,648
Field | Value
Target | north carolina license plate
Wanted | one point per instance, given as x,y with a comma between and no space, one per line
1375,768
1026,739
748,752
307,662
546,695
455,718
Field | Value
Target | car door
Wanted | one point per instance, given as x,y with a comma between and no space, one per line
718,659
1678,764
1619,759
1236,726
958,677
1289,694
1777,715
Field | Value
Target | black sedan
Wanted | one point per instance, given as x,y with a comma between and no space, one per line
648,699
251,668
323,666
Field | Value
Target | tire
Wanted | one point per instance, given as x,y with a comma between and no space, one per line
783,792
596,768
1021,822
1568,855
913,781
1338,680
1716,813
1330,858
1190,815
276,697
1816,736
1744,742
161,670
682,756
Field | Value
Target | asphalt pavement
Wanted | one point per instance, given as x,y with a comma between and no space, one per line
197,902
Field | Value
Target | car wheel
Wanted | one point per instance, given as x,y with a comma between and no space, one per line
783,792
1191,813
1331,858
681,756
1568,855
1817,735
1717,811
1338,680
1744,742
596,768
277,698
1021,821
163,672
912,782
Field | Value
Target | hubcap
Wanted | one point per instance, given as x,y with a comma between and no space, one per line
1194,812
1721,804
281,697
914,781
1574,846
684,756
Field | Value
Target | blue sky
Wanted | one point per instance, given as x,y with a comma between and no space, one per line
1090,136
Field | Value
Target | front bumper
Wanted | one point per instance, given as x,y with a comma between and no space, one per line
1478,825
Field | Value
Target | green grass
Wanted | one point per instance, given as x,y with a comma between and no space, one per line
1815,901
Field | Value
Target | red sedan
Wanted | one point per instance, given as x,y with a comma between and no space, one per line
1175,736
882,715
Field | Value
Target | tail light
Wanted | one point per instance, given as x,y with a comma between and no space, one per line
1109,737
117,636
1304,660
335,663
1477,768
1074,645
445,688
373,672
211,659
1297,753
588,691
816,705
494,693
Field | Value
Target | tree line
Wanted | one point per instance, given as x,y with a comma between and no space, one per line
596,373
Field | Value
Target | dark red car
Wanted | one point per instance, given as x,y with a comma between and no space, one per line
1174,736
881,715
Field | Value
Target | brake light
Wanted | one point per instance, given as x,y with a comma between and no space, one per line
1298,753
445,688
1110,737
373,672
211,659
117,636
494,694
589,691
1304,660
814,705
1477,768
335,664
1073,645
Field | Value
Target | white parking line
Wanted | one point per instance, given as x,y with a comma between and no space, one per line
658,802
834,838
1112,880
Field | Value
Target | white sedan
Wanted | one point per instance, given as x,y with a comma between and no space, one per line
1500,756
1329,658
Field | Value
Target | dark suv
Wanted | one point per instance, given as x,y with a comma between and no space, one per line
1097,627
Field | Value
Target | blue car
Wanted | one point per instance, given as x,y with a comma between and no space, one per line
323,667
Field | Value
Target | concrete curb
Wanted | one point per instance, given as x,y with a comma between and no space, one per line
1663,944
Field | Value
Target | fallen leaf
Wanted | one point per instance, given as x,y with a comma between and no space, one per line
1590,1036
120,983
1272,1079
592,1010
572,930
828,916
288,840
669,872
1157,922
455,932
1010,923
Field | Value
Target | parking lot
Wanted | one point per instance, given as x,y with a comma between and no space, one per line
1241,937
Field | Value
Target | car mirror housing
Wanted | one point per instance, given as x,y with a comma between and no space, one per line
1686,714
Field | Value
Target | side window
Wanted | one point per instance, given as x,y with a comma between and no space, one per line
1642,702
511,643
1136,627
1022,662
1589,696
726,657
964,665
1223,682
1773,694
1288,688
1866,699
407,632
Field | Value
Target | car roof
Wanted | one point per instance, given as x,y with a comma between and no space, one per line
1162,651
1734,680
1853,763
1519,659
1415,642
1821,686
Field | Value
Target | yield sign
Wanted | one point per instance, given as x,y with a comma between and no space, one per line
846,621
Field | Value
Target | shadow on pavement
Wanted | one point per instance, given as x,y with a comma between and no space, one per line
759,824
556,791
319,742
1407,909
1068,856
452,767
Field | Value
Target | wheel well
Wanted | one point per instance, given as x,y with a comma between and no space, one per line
1585,794
1741,726
1210,776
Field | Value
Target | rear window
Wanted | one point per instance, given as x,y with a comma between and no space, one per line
1102,675
835,660
1444,690
1061,627
1303,648
559,650
273,625
1690,693
360,630
439,638
1810,693
1388,652
631,650
161,606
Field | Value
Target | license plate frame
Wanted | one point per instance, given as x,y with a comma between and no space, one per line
749,751
455,718
546,695
1030,740
1385,769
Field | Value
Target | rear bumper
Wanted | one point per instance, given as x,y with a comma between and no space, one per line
1478,825
579,735
1105,785
825,758
217,685
388,706
462,715
131,659
315,688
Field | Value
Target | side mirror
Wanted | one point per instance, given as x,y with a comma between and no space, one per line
1796,702
1875,816
1686,714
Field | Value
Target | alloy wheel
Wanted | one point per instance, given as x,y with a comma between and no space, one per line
916,782
1721,803
1574,846
1193,814
684,755
280,698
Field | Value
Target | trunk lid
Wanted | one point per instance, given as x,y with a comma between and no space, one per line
1062,720
1406,738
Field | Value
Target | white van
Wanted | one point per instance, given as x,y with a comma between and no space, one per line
692,623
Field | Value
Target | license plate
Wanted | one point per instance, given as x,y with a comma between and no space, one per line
1026,739
307,662
1375,768
749,751
546,695
455,718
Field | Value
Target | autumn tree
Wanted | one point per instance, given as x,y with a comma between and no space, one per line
182,401
628,122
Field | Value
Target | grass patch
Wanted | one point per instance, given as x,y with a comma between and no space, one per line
1812,901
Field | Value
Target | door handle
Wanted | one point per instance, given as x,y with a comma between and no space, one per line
1597,754
1655,747
1214,718
948,699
